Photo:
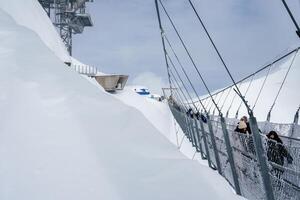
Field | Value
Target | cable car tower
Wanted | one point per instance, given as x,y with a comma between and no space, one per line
69,16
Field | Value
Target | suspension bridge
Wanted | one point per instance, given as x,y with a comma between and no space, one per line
209,122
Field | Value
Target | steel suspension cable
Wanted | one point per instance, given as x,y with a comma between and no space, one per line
296,117
186,90
292,17
235,95
262,87
248,87
189,55
229,91
182,69
281,86
217,51
163,42
206,102
259,70
211,106
178,86
176,94
181,101
222,93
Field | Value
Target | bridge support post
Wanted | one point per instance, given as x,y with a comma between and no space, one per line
194,141
213,141
183,123
189,130
180,119
261,157
199,139
205,144
230,157
186,125
186,131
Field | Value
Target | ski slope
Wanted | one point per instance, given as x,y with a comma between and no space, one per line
61,137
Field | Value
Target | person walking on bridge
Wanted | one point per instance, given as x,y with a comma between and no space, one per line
276,152
246,137
243,126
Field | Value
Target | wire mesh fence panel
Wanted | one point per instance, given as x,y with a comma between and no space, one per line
296,133
284,166
194,134
181,119
247,165
216,122
283,157
225,166
191,131
210,144
221,147
198,137
201,139
204,142
289,130
231,123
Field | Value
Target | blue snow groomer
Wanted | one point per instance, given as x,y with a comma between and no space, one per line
142,91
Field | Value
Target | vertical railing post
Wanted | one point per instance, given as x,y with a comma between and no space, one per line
194,141
230,156
205,144
262,160
189,129
213,141
183,122
199,139
179,119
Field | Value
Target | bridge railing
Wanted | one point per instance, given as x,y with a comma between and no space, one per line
283,159
86,70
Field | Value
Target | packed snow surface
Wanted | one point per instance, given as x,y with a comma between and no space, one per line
160,115
61,137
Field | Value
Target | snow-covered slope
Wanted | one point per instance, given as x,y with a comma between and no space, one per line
30,14
160,116
63,138
153,110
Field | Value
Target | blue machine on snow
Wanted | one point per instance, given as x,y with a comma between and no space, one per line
142,91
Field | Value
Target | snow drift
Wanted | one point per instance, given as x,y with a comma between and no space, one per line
63,138
30,14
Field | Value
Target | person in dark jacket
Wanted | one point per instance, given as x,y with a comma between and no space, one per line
203,118
188,113
199,116
276,152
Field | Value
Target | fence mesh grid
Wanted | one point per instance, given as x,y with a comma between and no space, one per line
283,158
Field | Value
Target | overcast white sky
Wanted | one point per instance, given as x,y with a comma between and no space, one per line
126,39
